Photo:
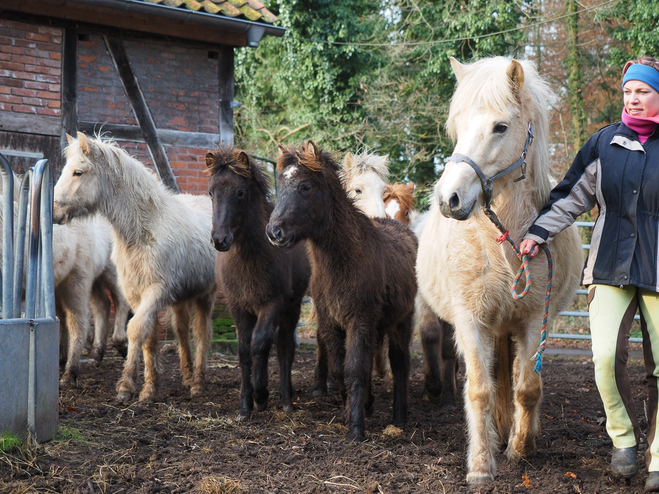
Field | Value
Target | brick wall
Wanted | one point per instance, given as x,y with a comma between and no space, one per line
179,85
30,68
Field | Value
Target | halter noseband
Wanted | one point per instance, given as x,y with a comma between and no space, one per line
486,183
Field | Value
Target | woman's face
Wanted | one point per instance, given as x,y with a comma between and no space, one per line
640,99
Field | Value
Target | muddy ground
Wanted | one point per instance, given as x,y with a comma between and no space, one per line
177,445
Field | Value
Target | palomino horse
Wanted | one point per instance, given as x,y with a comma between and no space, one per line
264,285
440,365
362,277
161,249
364,177
499,107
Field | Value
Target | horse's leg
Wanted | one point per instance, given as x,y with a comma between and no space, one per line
121,311
449,365
74,293
358,367
334,339
63,334
202,330
139,329
399,358
151,367
244,325
431,338
286,355
262,337
180,320
527,396
479,402
320,371
101,308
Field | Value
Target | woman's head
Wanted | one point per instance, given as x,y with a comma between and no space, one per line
640,85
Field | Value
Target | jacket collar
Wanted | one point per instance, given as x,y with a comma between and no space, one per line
627,138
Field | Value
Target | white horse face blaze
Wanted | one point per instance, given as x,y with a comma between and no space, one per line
490,140
367,190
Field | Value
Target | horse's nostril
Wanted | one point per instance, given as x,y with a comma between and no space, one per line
454,202
279,234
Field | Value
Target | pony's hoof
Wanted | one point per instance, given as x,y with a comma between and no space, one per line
518,449
244,415
288,408
67,380
196,390
147,397
124,396
96,357
260,407
356,436
479,477
317,392
121,347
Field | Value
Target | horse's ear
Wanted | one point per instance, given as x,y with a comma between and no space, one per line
411,186
387,192
458,68
244,159
348,160
84,144
312,149
210,159
386,159
281,149
69,138
515,74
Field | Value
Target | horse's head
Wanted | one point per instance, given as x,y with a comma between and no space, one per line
489,118
399,201
78,191
238,188
304,193
364,178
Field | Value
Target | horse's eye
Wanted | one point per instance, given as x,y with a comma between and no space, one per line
77,173
210,193
305,187
240,194
358,191
500,128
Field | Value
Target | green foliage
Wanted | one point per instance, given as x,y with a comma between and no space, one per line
224,329
8,442
66,433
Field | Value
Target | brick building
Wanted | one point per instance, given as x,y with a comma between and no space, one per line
157,75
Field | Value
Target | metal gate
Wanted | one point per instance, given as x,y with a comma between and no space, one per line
29,329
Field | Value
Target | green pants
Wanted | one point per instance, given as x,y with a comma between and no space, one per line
612,311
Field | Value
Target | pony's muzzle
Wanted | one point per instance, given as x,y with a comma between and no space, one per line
277,235
222,241
453,207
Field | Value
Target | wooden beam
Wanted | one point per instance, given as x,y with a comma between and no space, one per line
225,93
30,123
69,85
132,133
141,110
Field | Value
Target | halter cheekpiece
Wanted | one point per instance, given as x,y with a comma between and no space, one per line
486,183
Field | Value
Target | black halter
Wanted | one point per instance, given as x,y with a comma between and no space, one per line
486,183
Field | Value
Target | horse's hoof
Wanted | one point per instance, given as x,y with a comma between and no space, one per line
479,477
96,357
124,396
288,408
147,398
317,392
196,390
67,380
431,396
121,348
260,407
356,436
244,415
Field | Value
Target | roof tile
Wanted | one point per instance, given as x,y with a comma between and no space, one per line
252,10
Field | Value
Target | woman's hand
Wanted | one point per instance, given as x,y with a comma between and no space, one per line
529,247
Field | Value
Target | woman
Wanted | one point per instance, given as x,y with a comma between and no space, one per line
618,170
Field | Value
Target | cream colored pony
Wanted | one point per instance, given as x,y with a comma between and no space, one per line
364,178
161,248
465,275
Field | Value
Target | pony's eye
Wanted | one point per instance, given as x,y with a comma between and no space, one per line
77,173
500,128
240,194
305,187
358,191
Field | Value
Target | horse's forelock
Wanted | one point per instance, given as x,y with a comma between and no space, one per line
404,195
363,162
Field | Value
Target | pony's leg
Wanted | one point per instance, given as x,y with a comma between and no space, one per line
286,355
262,337
320,370
527,397
202,330
449,365
121,311
63,334
76,307
431,338
399,358
101,309
180,319
334,340
479,401
139,329
358,367
244,325
151,367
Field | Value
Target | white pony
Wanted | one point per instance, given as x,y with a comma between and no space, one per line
364,178
466,276
161,249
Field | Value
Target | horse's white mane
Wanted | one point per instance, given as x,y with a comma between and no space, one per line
497,95
363,162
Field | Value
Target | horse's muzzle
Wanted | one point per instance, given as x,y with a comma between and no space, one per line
278,236
222,242
454,207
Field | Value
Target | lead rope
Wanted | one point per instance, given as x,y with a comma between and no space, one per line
524,269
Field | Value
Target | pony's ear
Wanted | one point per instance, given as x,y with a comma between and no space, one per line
386,159
348,160
243,158
515,74
411,187
312,149
210,159
458,68
388,189
281,149
84,144
69,138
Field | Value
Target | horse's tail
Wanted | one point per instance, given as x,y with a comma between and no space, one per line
503,354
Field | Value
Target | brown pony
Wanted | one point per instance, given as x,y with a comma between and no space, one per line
362,277
437,336
263,285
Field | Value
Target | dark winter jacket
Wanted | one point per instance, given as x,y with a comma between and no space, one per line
614,171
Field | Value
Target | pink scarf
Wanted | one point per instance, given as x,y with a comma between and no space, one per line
644,127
